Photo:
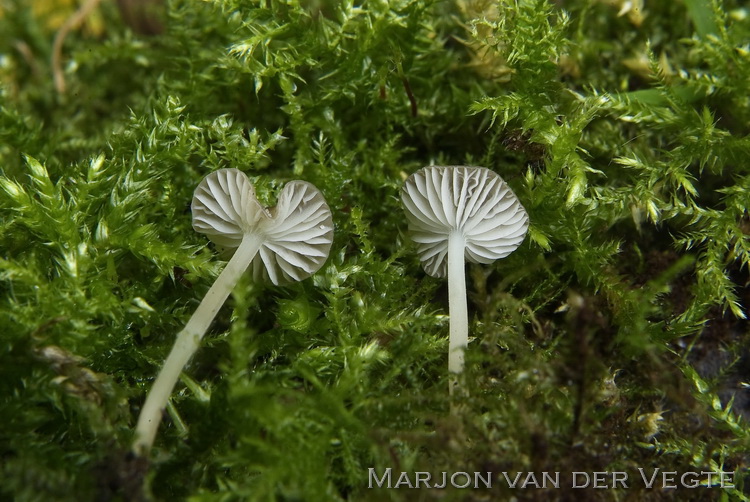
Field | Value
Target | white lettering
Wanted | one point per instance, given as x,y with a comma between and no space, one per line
487,482
668,477
457,474
554,481
515,480
422,477
670,480
445,482
727,480
530,480
690,480
386,475
403,479
620,477
650,482
600,480
575,480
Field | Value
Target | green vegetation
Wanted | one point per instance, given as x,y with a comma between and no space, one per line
613,338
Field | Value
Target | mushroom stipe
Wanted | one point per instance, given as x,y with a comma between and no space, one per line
286,243
459,213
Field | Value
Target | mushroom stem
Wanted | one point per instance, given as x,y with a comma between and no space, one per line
188,341
459,317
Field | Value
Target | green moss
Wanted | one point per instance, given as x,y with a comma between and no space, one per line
614,338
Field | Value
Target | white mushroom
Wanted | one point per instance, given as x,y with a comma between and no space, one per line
457,213
287,243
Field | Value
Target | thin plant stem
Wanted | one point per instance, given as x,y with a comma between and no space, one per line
188,341
71,23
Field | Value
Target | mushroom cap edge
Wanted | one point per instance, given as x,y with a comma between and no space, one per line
474,201
296,234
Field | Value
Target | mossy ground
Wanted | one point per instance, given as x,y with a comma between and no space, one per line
614,338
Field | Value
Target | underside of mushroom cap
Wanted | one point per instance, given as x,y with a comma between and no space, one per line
296,235
225,207
472,201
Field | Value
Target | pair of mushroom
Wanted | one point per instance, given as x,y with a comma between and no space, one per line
454,213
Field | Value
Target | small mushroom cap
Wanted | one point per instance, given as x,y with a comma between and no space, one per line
296,234
474,201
